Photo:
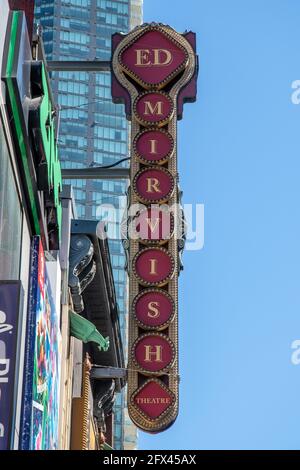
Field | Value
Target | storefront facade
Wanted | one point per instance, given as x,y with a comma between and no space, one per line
47,385
15,234
29,210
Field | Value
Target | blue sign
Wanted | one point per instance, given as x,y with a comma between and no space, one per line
10,294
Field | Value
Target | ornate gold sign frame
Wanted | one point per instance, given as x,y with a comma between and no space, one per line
172,376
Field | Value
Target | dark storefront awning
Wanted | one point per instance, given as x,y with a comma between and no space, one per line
99,304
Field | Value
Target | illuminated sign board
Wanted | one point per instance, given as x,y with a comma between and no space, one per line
31,114
154,73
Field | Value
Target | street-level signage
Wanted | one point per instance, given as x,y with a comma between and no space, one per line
10,301
154,73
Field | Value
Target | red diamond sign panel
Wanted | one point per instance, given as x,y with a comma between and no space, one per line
153,59
153,399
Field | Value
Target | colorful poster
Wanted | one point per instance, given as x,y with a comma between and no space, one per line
41,387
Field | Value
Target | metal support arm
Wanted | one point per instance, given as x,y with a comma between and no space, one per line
79,65
96,173
108,373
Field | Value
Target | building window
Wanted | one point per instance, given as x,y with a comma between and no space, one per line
80,209
10,217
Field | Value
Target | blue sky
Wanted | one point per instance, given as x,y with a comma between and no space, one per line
239,154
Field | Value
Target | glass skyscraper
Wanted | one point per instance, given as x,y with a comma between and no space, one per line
93,130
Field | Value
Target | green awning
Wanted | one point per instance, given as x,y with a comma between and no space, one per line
83,329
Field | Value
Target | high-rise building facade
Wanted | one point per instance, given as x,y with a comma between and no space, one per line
93,130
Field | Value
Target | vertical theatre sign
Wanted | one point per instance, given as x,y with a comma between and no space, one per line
154,73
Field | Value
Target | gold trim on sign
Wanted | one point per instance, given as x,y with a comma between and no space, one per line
164,370
153,162
165,388
162,241
164,421
158,283
164,325
153,201
172,75
146,123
